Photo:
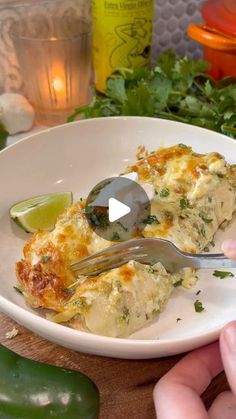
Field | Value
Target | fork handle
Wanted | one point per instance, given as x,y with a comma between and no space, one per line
214,260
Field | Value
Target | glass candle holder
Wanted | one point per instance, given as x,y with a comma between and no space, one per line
55,61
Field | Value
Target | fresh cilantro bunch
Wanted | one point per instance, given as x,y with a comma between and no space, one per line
176,89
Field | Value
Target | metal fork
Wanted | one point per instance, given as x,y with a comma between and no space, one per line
149,251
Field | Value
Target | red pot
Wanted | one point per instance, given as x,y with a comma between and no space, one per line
218,36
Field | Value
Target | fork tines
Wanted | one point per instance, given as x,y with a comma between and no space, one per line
109,258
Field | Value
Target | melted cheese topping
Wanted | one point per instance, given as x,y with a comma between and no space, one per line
194,194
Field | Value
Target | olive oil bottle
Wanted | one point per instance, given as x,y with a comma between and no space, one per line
122,34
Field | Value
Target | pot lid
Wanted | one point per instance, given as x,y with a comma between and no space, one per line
221,15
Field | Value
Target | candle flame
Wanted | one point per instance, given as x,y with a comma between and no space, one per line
58,84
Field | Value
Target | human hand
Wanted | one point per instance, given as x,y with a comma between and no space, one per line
177,394
229,248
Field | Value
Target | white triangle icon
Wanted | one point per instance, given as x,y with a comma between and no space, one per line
117,210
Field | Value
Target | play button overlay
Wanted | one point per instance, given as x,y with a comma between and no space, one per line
116,209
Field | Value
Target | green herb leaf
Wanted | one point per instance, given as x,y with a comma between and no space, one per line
222,274
125,314
151,219
202,232
88,210
178,283
122,226
183,203
18,290
166,62
81,302
96,216
45,258
115,237
205,219
116,89
68,291
151,270
164,193
198,306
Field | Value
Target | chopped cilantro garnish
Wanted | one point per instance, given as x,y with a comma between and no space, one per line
183,203
81,303
164,193
115,237
45,258
18,290
100,220
203,231
68,291
206,249
125,314
178,283
222,274
97,216
182,145
198,306
122,225
212,243
88,210
205,219
151,270
151,219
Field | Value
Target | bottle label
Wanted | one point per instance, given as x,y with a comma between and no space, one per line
122,35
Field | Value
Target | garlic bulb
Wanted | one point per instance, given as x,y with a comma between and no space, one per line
16,113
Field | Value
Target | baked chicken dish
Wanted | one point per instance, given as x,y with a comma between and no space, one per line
193,195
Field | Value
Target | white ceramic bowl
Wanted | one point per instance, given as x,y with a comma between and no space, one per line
75,157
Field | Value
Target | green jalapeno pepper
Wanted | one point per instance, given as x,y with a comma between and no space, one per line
32,390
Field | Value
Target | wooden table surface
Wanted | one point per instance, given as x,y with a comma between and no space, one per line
125,386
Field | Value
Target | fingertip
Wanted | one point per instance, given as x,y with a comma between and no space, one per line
154,393
160,394
229,248
228,353
228,338
159,387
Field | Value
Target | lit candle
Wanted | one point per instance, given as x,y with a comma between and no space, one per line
58,85
56,70
59,91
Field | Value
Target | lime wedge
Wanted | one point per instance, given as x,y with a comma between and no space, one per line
41,212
